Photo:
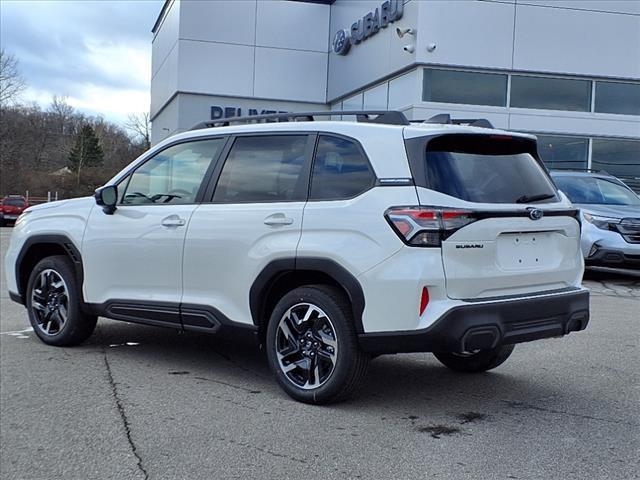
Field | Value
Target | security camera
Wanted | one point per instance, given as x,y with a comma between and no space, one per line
401,32
431,47
408,48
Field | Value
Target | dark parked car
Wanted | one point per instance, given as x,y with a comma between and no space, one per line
11,208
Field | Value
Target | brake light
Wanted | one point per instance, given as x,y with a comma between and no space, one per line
424,300
427,226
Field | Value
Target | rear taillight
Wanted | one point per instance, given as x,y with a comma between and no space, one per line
427,226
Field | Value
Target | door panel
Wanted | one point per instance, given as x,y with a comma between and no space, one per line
227,246
131,255
255,217
136,252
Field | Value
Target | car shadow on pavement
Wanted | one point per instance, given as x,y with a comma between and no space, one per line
394,381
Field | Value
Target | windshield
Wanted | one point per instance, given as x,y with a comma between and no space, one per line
14,202
487,169
595,191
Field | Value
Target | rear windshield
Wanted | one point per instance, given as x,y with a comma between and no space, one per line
487,169
14,202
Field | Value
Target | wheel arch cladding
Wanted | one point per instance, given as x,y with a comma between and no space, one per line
283,275
41,246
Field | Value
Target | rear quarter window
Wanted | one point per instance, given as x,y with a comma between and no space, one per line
340,170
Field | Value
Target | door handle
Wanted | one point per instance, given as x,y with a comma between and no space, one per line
278,219
173,221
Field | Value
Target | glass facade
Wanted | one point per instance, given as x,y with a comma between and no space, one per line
617,157
564,152
550,93
526,91
615,97
472,88
620,157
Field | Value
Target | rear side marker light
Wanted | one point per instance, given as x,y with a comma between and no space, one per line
424,300
427,226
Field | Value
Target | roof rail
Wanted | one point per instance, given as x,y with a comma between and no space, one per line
471,122
388,117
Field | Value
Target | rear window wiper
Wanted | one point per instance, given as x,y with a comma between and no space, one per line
535,198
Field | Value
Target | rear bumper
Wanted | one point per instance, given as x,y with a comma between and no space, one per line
486,325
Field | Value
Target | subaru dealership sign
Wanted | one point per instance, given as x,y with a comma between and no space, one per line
367,26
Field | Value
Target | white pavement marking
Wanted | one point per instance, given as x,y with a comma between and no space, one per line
17,332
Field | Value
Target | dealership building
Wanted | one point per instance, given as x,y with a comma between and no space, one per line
565,70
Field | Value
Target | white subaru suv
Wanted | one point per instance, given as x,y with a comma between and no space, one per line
330,242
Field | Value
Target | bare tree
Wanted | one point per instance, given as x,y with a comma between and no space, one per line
139,124
61,111
11,82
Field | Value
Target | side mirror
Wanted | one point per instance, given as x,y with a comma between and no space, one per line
107,197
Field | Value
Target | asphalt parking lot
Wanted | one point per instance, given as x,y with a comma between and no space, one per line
136,402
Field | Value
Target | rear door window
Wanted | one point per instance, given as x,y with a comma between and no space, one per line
487,169
263,169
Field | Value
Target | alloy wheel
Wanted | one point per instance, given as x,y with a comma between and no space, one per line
50,302
306,346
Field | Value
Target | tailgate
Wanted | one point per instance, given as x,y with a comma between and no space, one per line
505,253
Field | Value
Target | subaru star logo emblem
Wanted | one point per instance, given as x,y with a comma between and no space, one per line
341,42
535,213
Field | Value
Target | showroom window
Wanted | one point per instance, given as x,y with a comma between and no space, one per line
550,93
340,170
563,152
263,169
471,88
617,157
615,97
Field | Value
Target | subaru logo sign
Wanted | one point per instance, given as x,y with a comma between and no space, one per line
370,24
535,213
341,42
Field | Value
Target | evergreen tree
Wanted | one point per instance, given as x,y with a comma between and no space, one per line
87,152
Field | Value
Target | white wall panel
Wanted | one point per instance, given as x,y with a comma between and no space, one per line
375,57
293,25
165,123
165,82
376,98
615,6
466,32
403,90
206,67
218,21
166,37
290,74
578,125
578,42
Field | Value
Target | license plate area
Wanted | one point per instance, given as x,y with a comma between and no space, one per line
530,250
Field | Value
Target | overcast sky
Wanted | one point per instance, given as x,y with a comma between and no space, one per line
98,53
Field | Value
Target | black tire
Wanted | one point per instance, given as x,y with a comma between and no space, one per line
77,326
341,372
480,361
